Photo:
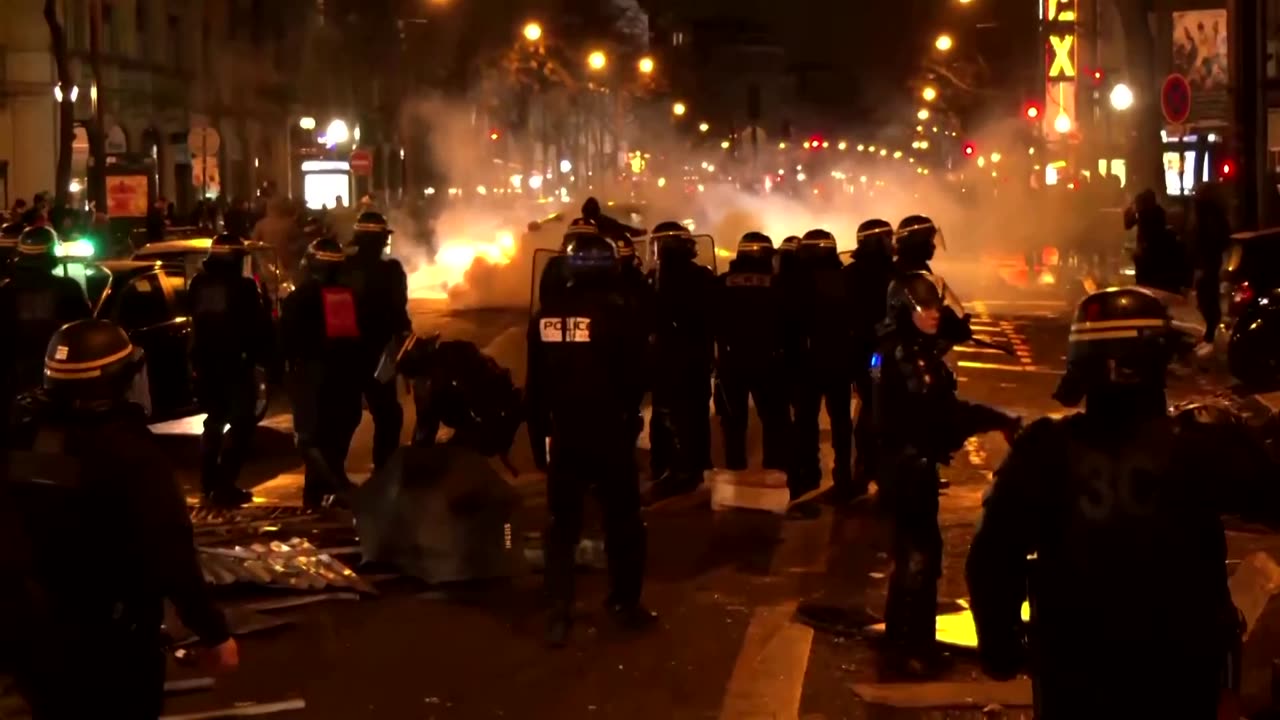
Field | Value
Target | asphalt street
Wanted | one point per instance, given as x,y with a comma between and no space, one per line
726,585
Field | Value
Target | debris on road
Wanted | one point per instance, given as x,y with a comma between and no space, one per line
749,490
295,564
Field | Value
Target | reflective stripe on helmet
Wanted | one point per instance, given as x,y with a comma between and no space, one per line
1103,335
80,370
367,227
754,245
33,249
328,256
220,249
912,228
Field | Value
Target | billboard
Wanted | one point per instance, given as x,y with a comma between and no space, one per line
1201,55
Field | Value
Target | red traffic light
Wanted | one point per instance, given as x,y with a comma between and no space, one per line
1032,112
494,135
1228,169
969,149
1097,76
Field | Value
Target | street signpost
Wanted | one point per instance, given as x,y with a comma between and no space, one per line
1175,99
361,162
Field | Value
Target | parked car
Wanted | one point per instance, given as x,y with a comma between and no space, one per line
188,248
1251,282
149,301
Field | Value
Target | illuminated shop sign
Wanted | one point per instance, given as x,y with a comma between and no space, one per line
1060,27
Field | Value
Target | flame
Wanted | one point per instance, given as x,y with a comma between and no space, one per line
454,261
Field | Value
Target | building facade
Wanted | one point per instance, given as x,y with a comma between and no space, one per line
170,67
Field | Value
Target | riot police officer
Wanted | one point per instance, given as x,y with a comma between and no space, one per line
231,336
915,244
819,356
785,259
921,423
1119,507
34,302
326,360
748,329
867,281
84,639
612,229
9,234
555,275
586,382
382,293
683,353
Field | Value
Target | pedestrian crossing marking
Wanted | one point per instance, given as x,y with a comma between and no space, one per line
768,676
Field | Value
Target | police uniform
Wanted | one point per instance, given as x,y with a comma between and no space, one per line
231,335
586,381
382,291
748,328
321,331
921,423
1119,507
83,638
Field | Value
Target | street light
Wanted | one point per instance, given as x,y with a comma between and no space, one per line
678,109
307,123
1062,123
336,133
929,94
57,92
1121,97
703,127
724,144
597,60
943,43
532,32
645,65
923,114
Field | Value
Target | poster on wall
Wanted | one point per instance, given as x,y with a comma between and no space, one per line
1200,54
127,196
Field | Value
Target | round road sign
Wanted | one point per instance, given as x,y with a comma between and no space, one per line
361,162
1175,99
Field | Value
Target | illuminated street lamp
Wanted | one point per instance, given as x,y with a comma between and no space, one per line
929,94
678,109
1121,97
724,144
923,114
597,60
645,66
336,133
307,123
944,42
532,32
58,94
1062,123
703,127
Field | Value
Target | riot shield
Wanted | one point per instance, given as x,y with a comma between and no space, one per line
542,258
707,252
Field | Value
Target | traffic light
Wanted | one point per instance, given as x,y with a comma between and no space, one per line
1097,77
815,142
1228,169
494,135
969,150
1032,111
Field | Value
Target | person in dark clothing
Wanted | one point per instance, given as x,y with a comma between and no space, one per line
609,227
683,355
1158,260
587,379
157,221
784,260
749,363
326,361
1101,516
231,337
915,243
238,219
1212,235
34,303
382,298
920,423
819,359
867,281
84,639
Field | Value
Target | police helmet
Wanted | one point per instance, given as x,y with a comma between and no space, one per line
37,246
324,256
626,247
916,237
674,240
789,244
226,248
9,234
91,361
876,235
591,254
755,245
816,243
578,226
1119,336
371,229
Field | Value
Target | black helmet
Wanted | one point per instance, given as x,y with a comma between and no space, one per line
1120,336
9,234
626,247
876,236
226,248
755,245
789,244
579,226
818,243
90,361
674,241
324,257
371,229
591,254
37,246
916,238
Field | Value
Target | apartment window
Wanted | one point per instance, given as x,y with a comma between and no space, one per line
677,39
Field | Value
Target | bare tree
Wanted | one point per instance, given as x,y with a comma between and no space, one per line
66,108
